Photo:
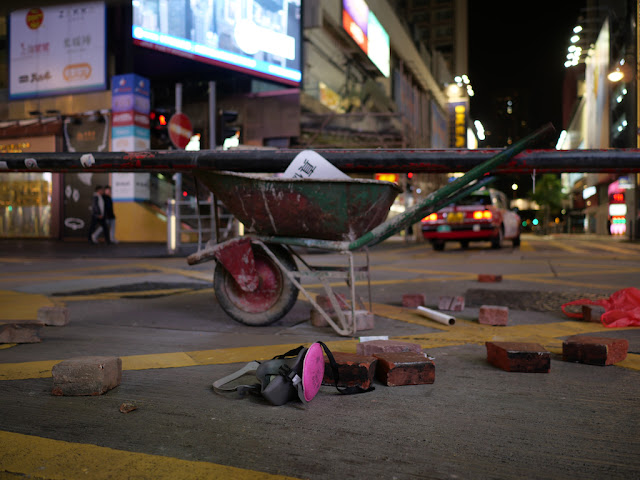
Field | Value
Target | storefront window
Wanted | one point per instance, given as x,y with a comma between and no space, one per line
26,198
25,205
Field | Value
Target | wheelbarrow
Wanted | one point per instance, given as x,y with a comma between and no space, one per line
257,278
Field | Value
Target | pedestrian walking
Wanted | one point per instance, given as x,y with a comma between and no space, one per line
109,216
98,224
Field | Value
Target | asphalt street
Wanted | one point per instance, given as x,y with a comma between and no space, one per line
160,316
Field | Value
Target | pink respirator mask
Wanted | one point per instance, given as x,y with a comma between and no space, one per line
297,373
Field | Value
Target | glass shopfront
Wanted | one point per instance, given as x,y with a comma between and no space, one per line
26,198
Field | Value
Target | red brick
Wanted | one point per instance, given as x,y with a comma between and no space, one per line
486,278
518,357
452,304
86,375
386,346
594,350
493,315
592,313
56,315
353,370
17,331
405,368
325,303
413,300
317,320
364,320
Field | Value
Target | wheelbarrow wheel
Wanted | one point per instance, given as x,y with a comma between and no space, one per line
275,296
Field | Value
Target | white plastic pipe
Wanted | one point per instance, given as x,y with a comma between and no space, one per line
436,316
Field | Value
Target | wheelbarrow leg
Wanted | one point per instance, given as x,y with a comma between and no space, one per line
340,329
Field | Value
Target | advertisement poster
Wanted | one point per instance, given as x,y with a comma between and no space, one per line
367,31
57,50
130,104
262,37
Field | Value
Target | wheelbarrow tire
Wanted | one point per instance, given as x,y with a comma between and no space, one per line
274,298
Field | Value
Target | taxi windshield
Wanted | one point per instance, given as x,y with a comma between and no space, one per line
475,199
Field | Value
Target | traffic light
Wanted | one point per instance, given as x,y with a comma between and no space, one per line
409,182
159,129
225,125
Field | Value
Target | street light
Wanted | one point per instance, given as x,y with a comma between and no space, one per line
616,75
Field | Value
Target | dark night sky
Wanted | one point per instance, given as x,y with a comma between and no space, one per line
520,45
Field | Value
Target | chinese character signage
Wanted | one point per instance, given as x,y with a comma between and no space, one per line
458,122
57,50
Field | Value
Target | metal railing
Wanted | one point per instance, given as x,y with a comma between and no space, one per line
190,220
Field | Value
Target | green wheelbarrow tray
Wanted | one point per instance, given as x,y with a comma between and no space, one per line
336,210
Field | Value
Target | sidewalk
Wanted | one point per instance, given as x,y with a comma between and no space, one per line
46,248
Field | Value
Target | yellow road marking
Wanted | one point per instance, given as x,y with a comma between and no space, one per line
463,332
420,270
23,306
559,281
602,270
197,274
39,457
119,295
632,361
42,369
526,247
44,277
611,248
564,246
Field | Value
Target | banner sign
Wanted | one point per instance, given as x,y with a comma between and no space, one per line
57,50
458,119
130,106
130,187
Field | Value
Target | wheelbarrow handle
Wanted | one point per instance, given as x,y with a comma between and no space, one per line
446,194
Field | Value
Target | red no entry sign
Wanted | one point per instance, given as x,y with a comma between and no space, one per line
180,130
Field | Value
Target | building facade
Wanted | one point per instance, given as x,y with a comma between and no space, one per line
299,74
601,111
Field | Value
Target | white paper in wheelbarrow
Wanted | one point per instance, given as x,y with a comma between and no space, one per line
310,164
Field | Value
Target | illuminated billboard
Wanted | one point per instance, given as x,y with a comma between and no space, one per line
365,29
260,37
57,50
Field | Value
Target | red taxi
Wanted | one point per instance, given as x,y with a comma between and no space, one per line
481,216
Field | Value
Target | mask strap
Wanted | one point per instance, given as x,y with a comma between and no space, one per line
218,385
334,367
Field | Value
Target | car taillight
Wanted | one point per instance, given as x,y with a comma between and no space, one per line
430,218
482,215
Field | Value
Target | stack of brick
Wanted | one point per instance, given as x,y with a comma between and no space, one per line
353,370
405,368
394,363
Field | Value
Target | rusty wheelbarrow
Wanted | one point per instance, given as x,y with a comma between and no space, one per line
257,277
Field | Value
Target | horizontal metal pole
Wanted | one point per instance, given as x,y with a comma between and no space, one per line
347,160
